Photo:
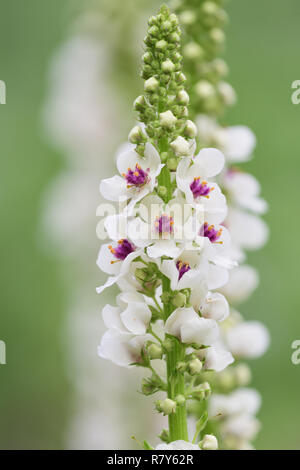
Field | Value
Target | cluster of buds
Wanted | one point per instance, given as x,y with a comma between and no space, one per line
203,24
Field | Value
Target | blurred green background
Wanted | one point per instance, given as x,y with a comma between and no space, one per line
263,54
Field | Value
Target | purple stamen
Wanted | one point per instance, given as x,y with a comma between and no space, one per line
138,177
182,268
211,233
164,224
122,250
200,188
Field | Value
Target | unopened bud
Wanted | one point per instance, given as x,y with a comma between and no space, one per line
151,84
168,344
242,374
217,35
135,135
190,129
161,45
181,146
209,442
181,78
227,92
187,17
167,119
140,274
181,367
174,37
180,400
147,57
172,163
168,406
153,30
168,66
162,191
207,389
139,103
204,89
183,97
154,351
195,366
193,51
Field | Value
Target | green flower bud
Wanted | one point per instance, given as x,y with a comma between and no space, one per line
165,297
161,45
183,97
139,103
154,351
168,344
147,57
167,119
151,84
167,25
195,366
158,406
140,274
136,135
164,436
181,78
187,17
207,389
164,156
162,191
243,375
217,35
190,129
227,92
148,388
205,89
168,66
168,406
173,19
209,442
172,163
179,300
220,67
174,37
181,367
153,30
198,393
193,51
180,400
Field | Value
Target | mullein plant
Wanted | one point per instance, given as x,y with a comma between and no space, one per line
168,251
233,402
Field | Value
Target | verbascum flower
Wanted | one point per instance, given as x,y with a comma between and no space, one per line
169,249
203,41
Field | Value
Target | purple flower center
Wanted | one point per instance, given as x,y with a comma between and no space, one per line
122,250
137,177
200,188
182,268
164,224
211,233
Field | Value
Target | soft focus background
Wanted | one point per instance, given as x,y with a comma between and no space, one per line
36,388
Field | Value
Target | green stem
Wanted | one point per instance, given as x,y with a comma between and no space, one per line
176,386
175,380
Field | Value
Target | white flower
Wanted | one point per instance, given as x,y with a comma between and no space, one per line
178,445
243,280
115,258
236,142
242,400
162,228
192,179
189,270
247,231
127,325
185,324
249,339
237,412
215,358
138,176
243,190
